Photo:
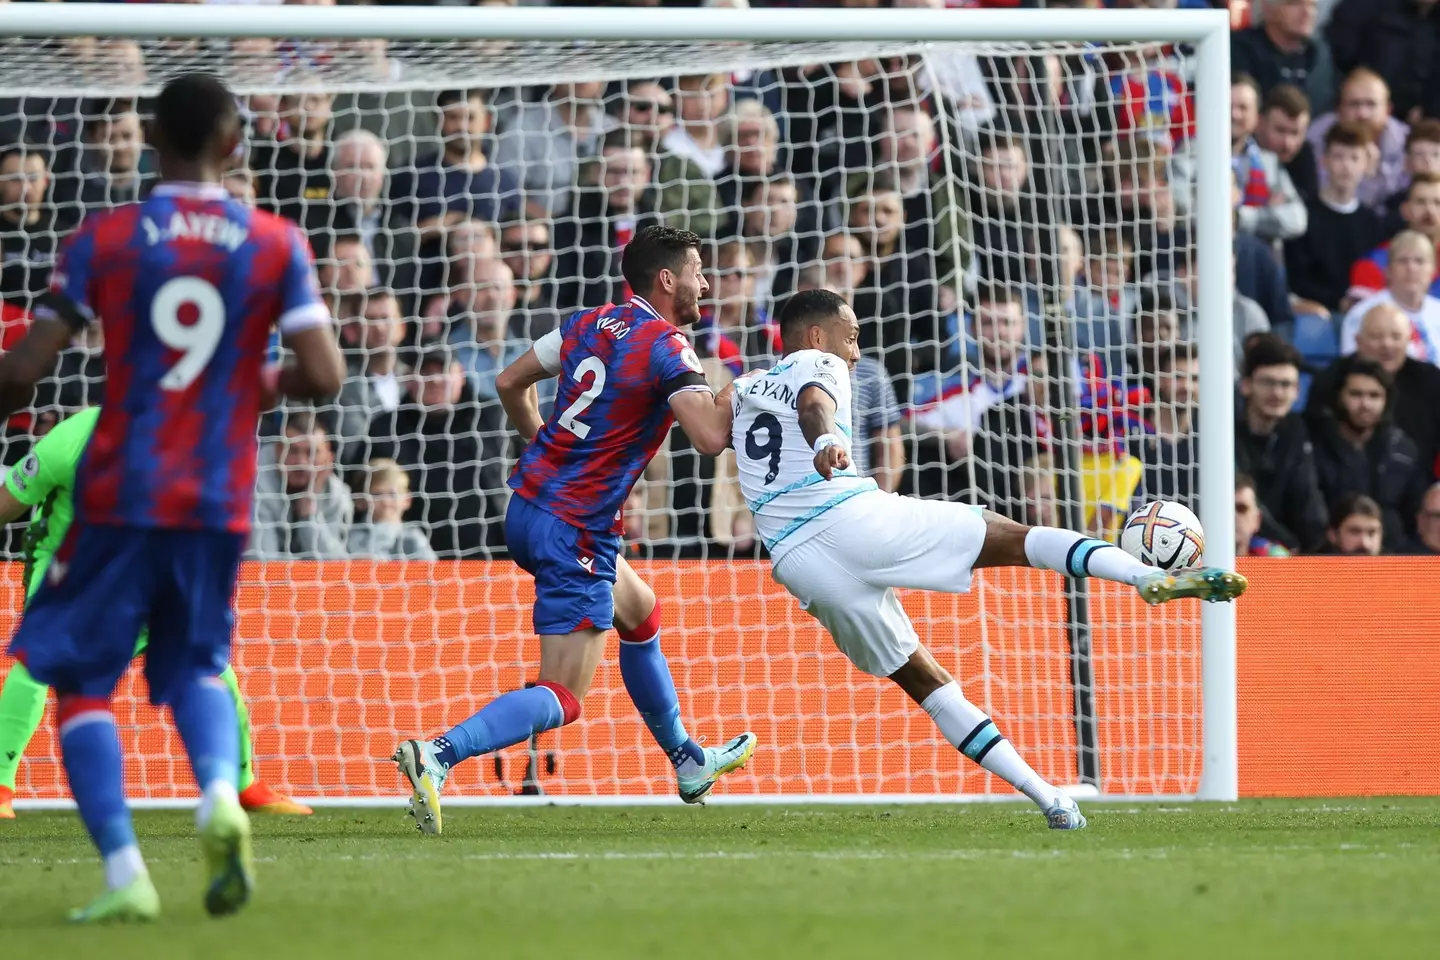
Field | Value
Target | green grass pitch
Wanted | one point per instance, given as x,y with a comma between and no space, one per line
1224,882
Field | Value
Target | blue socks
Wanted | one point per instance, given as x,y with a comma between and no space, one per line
204,715
647,680
506,720
91,751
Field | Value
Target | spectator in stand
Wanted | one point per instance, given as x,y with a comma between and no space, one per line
1409,279
1273,446
303,510
1260,275
736,314
1357,449
1248,542
240,184
383,534
1145,206
113,169
526,249
1421,212
1107,301
1422,159
294,170
1395,38
770,229
1427,524
1284,123
897,301
1384,337
1286,48
1169,445
458,182
1365,102
357,168
400,119
543,142
30,228
842,258
590,239
1341,229
450,445
1356,528
685,197
1003,210
480,332
452,274
702,100
345,268
372,385
1150,97
1270,208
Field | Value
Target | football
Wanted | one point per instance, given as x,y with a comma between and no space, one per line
1164,534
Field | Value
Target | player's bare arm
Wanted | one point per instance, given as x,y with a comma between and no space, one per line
516,387
816,411
705,418
33,358
318,369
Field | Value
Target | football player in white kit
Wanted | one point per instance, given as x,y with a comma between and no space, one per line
841,546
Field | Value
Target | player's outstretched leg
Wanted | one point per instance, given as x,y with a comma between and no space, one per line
647,679
91,753
1050,548
975,735
256,796
22,705
205,717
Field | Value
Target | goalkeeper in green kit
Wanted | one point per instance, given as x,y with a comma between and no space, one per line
45,479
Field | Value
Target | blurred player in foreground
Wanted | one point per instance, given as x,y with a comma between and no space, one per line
46,479
626,373
187,286
841,546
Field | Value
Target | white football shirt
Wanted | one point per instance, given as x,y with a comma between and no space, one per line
789,500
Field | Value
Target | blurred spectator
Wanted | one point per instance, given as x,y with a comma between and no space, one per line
842,258
1270,208
1284,124
458,182
1427,524
383,533
372,385
1357,449
1384,336
526,248
959,80
1365,102
1106,302
1003,210
1248,542
113,168
401,119
240,184
1150,96
302,509
345,268
1356,527
452,443
896,300
591,238
700,100
1260,275
480,331
771,210
542,142
1169,447
736,314
1421,212
1409,278
357,169
1422,159
294,169
1146,207
30,228
1341,229
685,197
1273,446
1286,48
1395,38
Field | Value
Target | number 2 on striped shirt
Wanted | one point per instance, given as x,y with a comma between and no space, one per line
595,368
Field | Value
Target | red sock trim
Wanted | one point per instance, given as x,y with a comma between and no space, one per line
648,630
569,706
70,706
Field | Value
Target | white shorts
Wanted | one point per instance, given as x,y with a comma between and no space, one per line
846,575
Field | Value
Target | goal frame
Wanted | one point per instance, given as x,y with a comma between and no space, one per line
1207,30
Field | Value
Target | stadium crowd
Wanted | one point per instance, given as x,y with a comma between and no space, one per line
1013,231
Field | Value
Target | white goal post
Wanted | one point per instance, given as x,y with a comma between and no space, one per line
533,45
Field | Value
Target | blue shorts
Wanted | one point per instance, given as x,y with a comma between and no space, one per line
574,569
106,584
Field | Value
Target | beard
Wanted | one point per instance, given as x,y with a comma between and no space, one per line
687,309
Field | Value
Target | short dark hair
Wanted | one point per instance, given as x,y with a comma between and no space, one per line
808,308
1358,366
192,110
1421,180
22,149
1426,131
654,249
1157,298
1243,481
996,291
1167,356
1348,135
301,421
1288,99
1242,79
1268,350
447,98
1351,505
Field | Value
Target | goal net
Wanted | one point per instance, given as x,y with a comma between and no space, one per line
1012,222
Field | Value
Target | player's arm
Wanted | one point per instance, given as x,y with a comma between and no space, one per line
815,409
33,358
705,417
317,369
50,464
516,384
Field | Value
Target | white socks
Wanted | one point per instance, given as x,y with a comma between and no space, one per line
973,734
1076,555
124,866
216,791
